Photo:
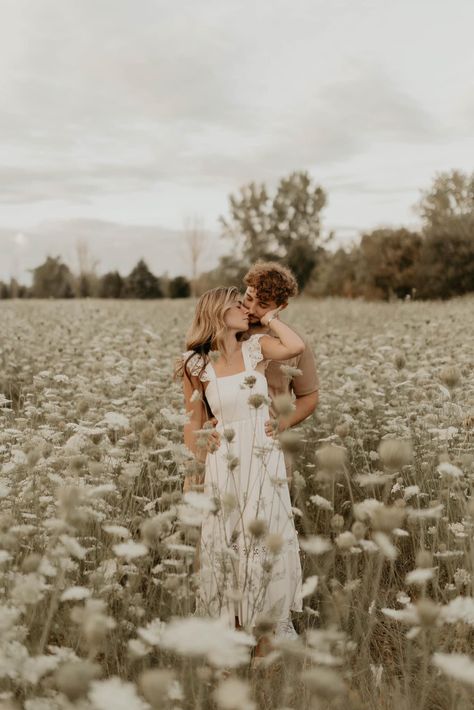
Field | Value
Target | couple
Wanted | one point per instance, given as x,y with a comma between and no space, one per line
249,554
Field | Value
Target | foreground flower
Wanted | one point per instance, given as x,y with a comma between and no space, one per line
211,638
455,665
395,453
234,694
130,550
115,693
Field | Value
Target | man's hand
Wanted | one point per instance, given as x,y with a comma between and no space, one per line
273,427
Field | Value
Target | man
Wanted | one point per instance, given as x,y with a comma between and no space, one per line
270,286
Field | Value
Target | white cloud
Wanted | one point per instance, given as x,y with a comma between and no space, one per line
140,112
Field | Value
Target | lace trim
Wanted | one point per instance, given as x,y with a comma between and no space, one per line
262,551
254,350
195,366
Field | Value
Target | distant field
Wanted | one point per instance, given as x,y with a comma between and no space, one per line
90,450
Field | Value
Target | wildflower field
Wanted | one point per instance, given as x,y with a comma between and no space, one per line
97,542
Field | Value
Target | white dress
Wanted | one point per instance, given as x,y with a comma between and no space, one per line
239,575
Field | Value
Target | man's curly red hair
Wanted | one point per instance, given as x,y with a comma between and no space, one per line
272,282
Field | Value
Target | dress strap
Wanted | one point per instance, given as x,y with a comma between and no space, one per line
252,352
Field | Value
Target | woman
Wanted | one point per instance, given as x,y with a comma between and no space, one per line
249,553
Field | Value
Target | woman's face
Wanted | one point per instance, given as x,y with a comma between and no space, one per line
237,316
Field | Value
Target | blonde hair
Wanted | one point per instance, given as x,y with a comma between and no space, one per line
208,327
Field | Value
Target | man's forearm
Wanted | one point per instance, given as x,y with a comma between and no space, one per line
304,407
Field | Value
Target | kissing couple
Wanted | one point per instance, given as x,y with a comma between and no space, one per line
247,376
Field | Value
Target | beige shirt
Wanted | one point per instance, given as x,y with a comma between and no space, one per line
278,383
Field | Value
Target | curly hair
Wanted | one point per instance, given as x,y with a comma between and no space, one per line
272,282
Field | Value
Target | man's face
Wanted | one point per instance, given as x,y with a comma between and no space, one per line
256,307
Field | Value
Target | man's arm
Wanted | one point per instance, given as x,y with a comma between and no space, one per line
306,389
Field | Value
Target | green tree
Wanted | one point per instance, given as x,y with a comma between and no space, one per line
450,196
447,259
286,227
335,274
111,285
4,290
53,279
179,287
388,262
141,283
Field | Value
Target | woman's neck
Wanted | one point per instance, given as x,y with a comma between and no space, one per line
231,344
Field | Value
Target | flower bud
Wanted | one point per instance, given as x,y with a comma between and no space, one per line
274,542
395,453
257,527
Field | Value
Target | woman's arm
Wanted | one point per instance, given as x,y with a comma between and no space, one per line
196,417
283,343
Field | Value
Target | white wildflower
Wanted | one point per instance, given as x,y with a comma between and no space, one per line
212,638
152,632
130,550
459,609
408,615
75,594
102,490
321,502
115,420
456,665
233,694
36,667
5,556
434,512
200,501
315,545
385,545
419,576
115,693
364,511
450,471
411,491
72,546
117,531
309,586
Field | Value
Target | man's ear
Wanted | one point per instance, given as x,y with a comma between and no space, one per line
283,306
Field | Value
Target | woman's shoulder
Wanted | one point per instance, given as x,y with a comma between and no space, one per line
195,364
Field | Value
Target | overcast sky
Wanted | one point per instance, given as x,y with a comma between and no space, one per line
139,113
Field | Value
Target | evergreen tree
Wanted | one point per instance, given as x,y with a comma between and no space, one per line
179,287
141,283
111,285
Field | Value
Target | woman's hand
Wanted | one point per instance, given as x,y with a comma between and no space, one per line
213,441
270,314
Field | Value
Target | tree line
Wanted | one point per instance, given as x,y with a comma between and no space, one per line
436,261
54,279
